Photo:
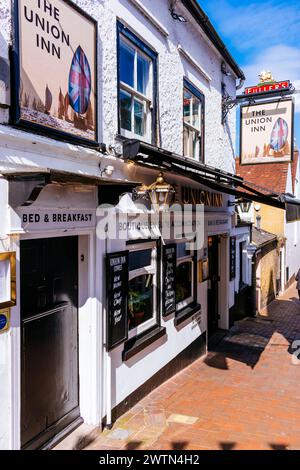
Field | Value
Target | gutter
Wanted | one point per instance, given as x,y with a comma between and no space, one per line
202,19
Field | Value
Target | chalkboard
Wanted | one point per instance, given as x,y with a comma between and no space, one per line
169,279
232,258
117,295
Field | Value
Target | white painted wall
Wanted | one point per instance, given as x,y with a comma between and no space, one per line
292,229
242,236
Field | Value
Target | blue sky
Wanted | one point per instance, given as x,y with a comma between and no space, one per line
261,34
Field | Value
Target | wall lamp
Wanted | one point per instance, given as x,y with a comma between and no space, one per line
159,192
177,17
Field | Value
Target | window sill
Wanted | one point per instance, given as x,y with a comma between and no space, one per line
142,341
186,313
122,138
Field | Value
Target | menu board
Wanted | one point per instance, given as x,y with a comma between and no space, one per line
169,279
117,295
232,257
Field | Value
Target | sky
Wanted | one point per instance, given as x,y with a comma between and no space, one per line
261,35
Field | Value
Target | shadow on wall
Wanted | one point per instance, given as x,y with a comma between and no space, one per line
271,290
231,143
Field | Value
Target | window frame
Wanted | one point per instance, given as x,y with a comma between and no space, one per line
194,91
129,38
192,257
149,269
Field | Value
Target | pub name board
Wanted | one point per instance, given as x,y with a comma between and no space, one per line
268,87
200,196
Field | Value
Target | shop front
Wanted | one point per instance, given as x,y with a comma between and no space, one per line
165,290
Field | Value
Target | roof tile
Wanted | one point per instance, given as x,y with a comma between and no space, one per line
272,176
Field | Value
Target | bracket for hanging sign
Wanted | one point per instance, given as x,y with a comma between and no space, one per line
229,103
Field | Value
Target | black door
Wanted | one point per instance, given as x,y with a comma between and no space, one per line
49,307
213,285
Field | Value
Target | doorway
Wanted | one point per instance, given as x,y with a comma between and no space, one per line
213,285
49,348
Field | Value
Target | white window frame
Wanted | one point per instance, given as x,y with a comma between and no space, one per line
191,127
188,258
150,269
146,100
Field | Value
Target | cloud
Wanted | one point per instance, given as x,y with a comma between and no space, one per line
284,63
251,26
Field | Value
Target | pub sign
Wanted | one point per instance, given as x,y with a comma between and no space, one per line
267,132
55,60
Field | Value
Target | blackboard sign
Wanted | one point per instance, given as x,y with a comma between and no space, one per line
232,257
117,293
169,279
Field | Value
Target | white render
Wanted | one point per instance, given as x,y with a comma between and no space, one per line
292,229
180,48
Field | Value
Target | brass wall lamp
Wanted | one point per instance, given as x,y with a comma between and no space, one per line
159,192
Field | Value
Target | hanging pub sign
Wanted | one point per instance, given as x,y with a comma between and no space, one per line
232,258
169,279
117,295
267,132
56,65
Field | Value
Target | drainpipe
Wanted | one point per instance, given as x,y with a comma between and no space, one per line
108,391
253,290
241,84
108,376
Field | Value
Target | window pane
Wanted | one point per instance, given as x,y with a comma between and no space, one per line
127,64
181,250
186,142
140,300
196,113
139,259
139,119
125,109
142,74
191,144
195,144
184,281
187,99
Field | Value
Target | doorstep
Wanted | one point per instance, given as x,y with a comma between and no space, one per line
216,338
84,435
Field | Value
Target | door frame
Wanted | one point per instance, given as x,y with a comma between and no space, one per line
282,269
215,237
224,282
89,326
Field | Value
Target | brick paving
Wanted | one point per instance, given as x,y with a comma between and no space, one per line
245,394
